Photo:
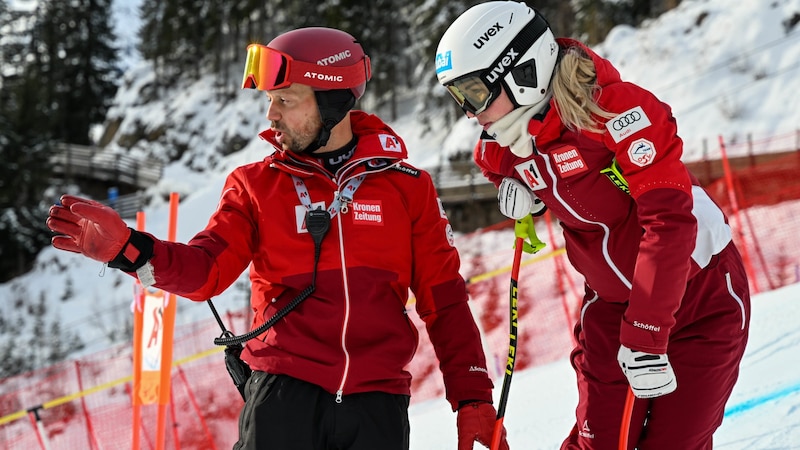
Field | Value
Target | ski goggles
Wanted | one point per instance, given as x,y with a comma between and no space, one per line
267,69
472,94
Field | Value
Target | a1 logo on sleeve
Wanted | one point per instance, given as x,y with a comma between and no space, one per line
628,123
442,212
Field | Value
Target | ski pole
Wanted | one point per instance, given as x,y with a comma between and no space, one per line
512,346
625,426
526,241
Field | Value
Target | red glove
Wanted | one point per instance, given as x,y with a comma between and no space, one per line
475,422
97,231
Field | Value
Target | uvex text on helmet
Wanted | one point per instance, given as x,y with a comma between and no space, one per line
504,43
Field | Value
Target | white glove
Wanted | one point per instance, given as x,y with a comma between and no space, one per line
649,375
517,201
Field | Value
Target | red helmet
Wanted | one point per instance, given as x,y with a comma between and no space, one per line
323,58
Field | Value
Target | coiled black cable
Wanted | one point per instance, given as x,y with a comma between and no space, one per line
318,222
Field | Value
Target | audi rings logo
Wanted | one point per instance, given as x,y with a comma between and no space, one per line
627,124
628,119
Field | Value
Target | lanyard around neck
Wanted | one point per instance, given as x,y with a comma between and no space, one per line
340,201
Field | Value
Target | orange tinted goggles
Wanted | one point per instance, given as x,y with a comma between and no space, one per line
268,69
472,93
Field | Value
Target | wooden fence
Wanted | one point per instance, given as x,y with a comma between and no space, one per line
127,205
77,161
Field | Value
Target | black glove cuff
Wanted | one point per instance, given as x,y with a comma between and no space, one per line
134,254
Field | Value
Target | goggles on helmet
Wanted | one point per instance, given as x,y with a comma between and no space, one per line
472,94
268,69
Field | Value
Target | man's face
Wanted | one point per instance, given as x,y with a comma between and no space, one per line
295,117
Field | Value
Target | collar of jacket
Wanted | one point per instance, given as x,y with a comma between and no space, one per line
549,128
378,148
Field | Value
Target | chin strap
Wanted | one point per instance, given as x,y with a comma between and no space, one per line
333,106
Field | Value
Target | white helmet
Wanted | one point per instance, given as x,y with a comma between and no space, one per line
493,45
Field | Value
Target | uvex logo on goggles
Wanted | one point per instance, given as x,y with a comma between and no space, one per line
268,69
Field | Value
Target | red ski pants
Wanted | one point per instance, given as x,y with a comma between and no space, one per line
705,348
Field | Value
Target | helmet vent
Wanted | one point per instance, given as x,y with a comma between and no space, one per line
525,74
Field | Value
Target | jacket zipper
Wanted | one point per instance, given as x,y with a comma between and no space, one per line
343,209
346,320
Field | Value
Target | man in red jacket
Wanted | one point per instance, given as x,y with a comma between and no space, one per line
667,305
336,229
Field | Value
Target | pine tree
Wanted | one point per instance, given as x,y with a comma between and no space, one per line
58,79
182,37
23,150
150,13
430,24
74,44
382,28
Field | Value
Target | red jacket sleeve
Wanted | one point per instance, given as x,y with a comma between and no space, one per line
442,302
215,257
488,156
662,268
644,138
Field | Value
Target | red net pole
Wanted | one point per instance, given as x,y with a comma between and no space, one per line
89,427
748,264
193,400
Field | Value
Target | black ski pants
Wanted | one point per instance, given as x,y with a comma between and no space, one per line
284,413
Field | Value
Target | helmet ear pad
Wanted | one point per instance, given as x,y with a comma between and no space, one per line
333,105
521,77
524,74
529,80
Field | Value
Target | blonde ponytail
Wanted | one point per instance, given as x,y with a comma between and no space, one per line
574,88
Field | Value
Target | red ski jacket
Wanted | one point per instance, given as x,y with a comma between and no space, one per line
641,246
353,333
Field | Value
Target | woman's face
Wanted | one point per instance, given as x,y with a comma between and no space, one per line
496,110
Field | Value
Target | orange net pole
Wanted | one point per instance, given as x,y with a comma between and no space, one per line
169,330
137,351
